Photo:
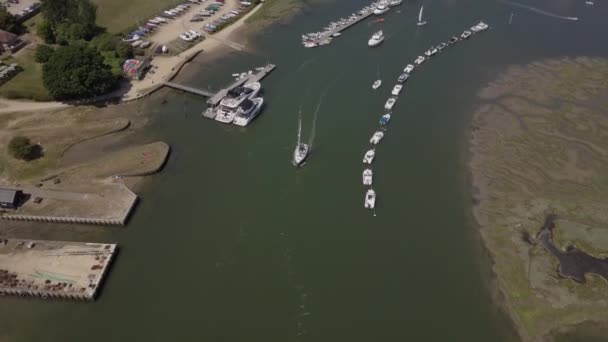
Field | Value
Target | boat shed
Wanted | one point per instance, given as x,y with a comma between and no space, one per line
9,198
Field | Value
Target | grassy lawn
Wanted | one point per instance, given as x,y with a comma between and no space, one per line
275,9
55,131
120,15
28,83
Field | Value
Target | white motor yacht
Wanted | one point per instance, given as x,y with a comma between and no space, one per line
419,60
393,3
248,110
369,156
381,9
408,69
390,103
377,137
465,34
376,39
397,89
384,119
403,77
368,175
370,199
228,108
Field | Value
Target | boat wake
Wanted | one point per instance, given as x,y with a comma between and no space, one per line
536,10
319,103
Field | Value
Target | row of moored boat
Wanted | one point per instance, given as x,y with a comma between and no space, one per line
240,105
368,158
332,30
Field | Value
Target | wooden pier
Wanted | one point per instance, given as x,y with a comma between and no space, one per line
329,34
189,89
215,99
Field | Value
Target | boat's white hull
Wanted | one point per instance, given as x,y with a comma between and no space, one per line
225,117
368,158
421,23
300,154
389,105
395,3
381,11
376,85
376,138
375,42
368,177
370,199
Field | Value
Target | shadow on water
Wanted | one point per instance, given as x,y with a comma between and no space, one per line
573,263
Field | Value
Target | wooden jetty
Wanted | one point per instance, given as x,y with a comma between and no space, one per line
329,34
215,100
189,89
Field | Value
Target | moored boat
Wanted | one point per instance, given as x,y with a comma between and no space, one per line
376,39
419,60
384,119
368,158
368,175
370,199
403,77
397,89
377,137
390,103
248,110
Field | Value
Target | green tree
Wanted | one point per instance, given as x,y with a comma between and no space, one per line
43,53
81,12
7,21
75,72
45,31
21,147
124,50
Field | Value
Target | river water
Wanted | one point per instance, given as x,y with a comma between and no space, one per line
232,243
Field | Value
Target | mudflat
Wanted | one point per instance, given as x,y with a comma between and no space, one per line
539,148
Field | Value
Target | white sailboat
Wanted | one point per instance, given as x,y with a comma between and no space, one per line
420,22
378,82
301,151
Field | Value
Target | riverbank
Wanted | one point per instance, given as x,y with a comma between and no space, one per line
537,150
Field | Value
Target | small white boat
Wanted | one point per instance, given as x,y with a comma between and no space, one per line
377,137
377,84
137,43
384,119
408,69
393,3
397,89
420,21
419,60
390,103
403,77
376,39
590,3
337,34
465,34
144,44
368,175
368,158
381,9
370,199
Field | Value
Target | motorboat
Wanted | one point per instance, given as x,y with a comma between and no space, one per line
377,137
441,46
381,9
409,68
390,103
481,26
229,106
368,158
368,175
590,3
370,199
301,151
453,40
376,39
376,84
419,60
428,52
393,3
337,34
384,119
397,89
248,110
465,34
403,77
144,44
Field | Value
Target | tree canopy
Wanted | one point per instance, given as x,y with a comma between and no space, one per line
7,21
21,147
43,53
72,19
77,71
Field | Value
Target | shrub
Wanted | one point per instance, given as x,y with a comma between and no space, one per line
43,53
21,147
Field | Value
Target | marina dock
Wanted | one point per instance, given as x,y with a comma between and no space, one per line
189,89
214,100
329,34
54,269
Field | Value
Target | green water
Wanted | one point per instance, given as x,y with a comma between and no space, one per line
232,243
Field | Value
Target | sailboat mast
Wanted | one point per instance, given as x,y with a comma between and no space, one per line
420,14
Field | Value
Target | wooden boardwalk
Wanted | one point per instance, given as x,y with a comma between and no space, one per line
215,99
189,89
341,28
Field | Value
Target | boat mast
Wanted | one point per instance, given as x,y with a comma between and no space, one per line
420,14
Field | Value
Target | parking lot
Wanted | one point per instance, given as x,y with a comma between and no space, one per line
20,6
